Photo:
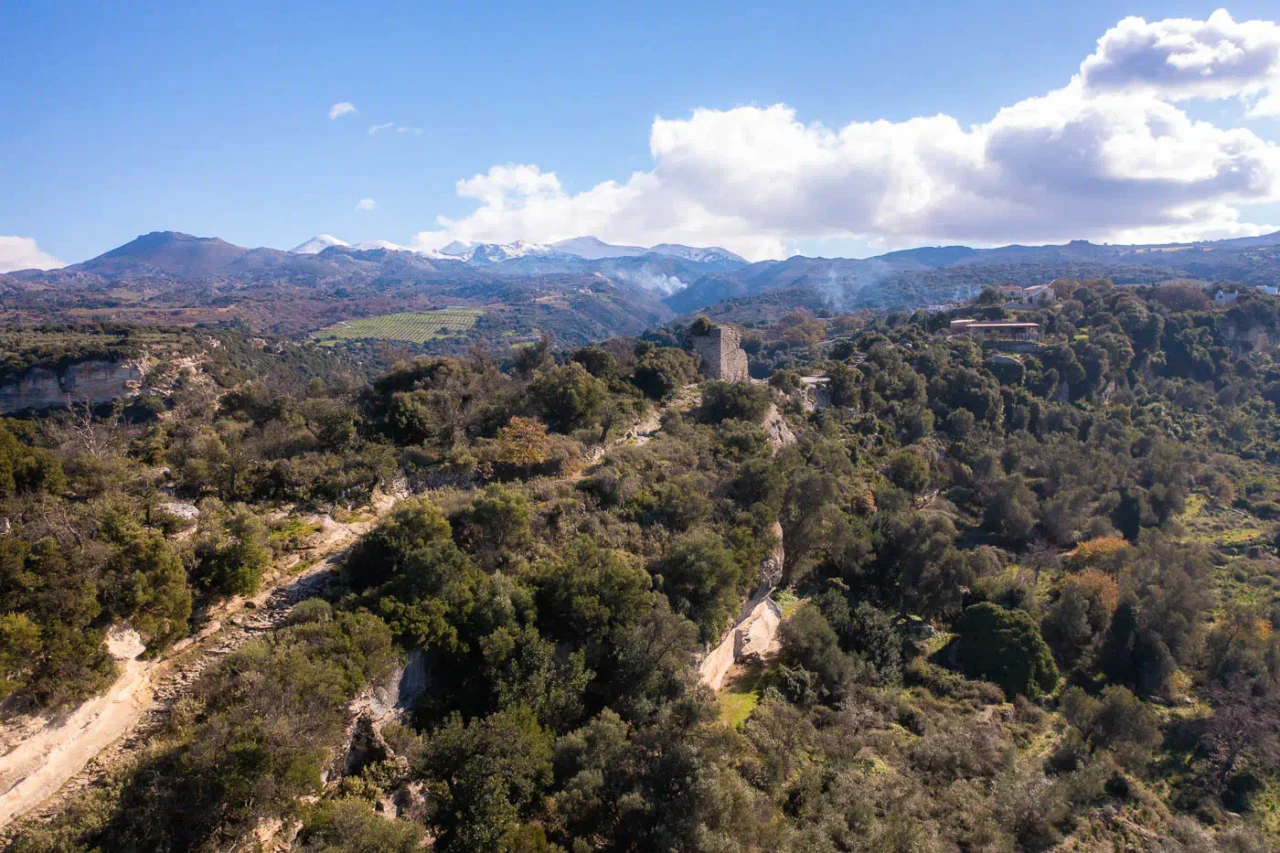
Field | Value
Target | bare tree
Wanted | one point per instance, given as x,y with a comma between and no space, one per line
1245,724
94,435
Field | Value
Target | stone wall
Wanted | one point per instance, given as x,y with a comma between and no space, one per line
46,388
722,355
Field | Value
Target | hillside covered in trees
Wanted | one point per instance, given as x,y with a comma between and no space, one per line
1027,597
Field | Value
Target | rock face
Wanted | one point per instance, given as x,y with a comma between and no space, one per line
722,355
771,567
45,387
816,394
753,638
776,429
367,746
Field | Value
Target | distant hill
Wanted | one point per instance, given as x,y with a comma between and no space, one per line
165,252
932,275
579,289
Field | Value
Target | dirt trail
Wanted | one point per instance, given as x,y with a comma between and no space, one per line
644,429
57,758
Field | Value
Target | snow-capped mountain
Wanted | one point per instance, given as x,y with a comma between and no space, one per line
370,245
483,254
571,251
709,255
587,248
593,249
318,244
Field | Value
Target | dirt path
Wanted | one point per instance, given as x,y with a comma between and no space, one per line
641,431
39,766
56,760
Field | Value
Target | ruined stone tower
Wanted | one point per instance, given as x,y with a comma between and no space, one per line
722,355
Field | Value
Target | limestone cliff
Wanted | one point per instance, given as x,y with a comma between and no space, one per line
47,387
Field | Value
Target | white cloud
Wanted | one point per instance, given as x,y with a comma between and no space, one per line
1109,156
392,126
366,204
22,253
341,109
1181,58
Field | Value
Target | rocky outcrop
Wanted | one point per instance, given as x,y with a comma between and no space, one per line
814,393
722,355
771,568
47,387
367,746
388,700
754,638
776,429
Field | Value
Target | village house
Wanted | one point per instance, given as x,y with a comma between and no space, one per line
1038,294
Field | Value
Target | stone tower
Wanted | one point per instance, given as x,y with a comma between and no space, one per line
722,355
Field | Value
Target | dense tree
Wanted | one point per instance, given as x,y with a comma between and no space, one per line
496,524
1005,647
568,397
662,371
809,644
739,400
490,772
909,470
702,579
233,562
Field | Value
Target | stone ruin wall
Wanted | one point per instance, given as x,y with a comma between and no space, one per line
722,355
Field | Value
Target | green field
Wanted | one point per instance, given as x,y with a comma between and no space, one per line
417,328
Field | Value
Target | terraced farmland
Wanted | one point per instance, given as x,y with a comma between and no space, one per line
415,328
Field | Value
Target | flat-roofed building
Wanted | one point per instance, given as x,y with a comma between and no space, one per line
1001,330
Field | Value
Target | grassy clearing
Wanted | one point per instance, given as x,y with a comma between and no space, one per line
787,601
290,534
741,694
1191,510
417,328
1218,526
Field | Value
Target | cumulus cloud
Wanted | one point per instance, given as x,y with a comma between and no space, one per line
22,253
341,109
366,204
1181,58
1109,156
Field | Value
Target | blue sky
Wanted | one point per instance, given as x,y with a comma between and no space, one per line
118,119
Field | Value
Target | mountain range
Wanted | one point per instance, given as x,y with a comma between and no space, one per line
669,268
484,254
582,287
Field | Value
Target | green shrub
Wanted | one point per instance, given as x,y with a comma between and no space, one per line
1005,647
